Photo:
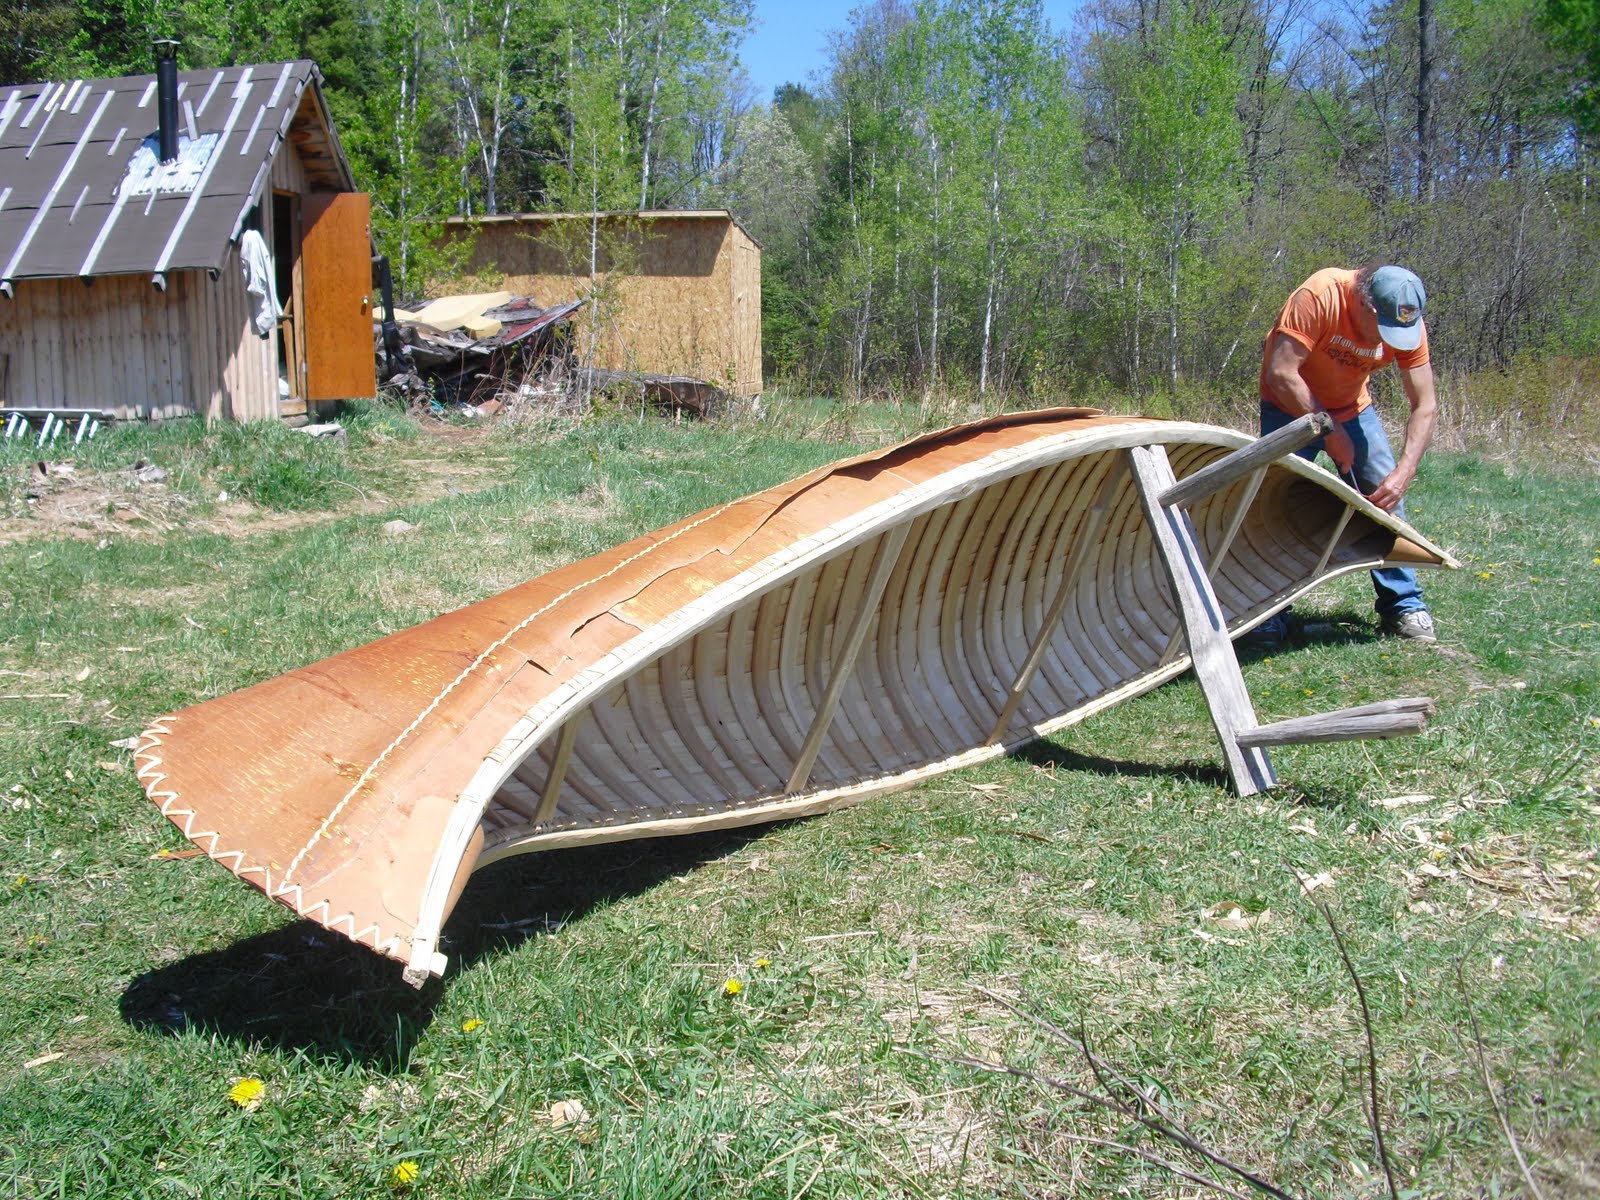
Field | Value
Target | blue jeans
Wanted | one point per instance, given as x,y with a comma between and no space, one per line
1397,587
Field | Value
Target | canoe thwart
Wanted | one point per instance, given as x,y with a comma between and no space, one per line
1296,435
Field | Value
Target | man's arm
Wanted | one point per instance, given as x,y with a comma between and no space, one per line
1417,383
1283,377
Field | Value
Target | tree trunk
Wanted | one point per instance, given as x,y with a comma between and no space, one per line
1425,88
933,334
989,299
650,112
1174,241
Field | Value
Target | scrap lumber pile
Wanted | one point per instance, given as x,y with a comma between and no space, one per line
478,352
494,352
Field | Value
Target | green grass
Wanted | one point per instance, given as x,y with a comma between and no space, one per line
1074,876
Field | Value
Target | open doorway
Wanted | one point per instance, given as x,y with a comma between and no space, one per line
285,259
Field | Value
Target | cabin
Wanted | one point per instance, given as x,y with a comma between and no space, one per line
187,243
668,292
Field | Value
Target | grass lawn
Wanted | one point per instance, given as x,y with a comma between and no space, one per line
772,1012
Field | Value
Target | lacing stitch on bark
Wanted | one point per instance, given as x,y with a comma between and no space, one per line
148,772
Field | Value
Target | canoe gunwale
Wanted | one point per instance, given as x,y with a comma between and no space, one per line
569,700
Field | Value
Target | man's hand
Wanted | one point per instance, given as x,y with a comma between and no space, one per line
1387,495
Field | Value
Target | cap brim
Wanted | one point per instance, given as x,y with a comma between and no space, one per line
1401,337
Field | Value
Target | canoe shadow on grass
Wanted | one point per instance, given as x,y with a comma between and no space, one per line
1340,628
303,989
1046,753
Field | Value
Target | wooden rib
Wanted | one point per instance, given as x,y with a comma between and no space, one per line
1001,620
1128,563
739,688
688,777
1090,651
764,665
1087,538
844,662
975,710
859,757
929,658
688,723
1065,667
1333,541
920,745
978,655
1236,516
621,761
714,716
823,623
558,769
1017,596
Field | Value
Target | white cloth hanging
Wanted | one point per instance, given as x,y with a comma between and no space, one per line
259,281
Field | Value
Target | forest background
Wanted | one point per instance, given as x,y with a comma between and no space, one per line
966,200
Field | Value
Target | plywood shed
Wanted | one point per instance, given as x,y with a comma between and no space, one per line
670,292
129,210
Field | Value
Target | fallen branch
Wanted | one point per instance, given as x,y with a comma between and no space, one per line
1374,1117
1164,1164
1100,1068
1488,1086
1166,1128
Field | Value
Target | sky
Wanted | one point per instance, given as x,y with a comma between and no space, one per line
790,39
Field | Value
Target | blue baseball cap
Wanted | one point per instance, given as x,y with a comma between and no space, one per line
1399,297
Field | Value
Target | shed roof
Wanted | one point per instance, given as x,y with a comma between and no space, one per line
82,191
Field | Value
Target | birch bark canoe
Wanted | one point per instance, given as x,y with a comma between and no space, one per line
857,630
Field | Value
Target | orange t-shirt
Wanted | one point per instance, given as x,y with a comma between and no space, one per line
1320,315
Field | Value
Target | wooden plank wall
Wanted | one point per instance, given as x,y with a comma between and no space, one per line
685,297
125,347
288,174
248,388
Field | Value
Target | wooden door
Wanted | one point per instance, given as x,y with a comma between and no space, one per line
336,271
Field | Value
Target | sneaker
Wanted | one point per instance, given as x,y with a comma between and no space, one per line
1415,626
1268,635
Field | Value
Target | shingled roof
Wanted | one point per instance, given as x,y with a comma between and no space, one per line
83,191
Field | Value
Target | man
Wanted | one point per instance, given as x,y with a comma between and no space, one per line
1338,328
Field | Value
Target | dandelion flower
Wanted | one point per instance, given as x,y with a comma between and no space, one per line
404,1174
470,1024
763,963
732,988
247,1094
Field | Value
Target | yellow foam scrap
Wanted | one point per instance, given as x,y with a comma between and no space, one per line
452,312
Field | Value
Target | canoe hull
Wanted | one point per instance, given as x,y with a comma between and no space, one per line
846,634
